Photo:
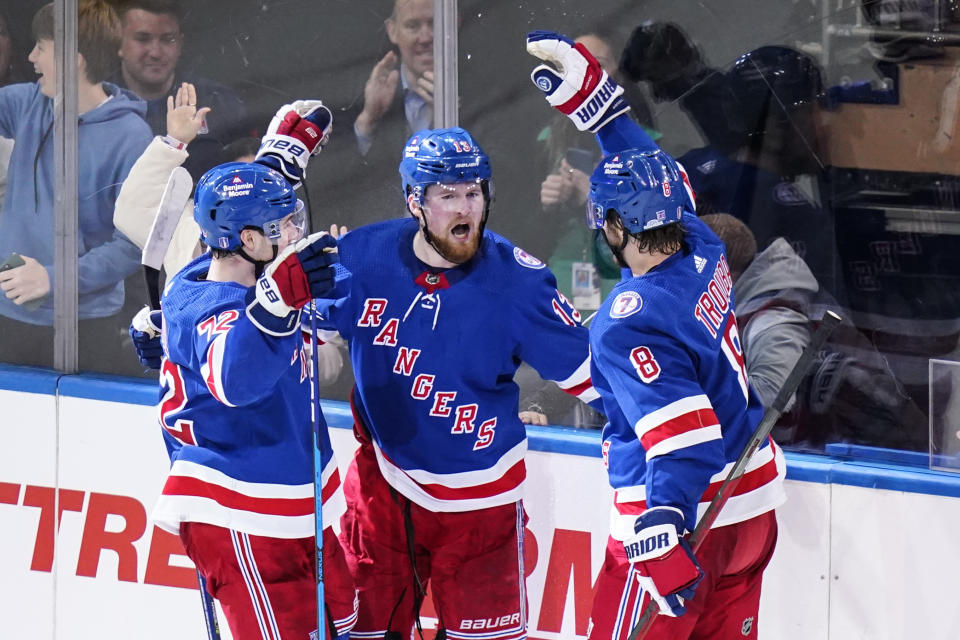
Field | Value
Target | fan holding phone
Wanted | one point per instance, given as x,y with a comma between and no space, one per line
24,280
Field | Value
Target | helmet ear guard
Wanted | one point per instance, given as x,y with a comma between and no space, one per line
644,188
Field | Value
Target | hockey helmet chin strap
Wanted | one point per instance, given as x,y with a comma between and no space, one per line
258,265
617,251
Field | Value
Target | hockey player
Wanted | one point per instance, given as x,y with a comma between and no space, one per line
668,365
440,314
235,404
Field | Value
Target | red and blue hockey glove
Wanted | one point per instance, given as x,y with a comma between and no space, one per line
662,556
298,131
578,86
300,272
145,333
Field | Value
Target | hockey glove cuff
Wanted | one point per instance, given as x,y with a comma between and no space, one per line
664,559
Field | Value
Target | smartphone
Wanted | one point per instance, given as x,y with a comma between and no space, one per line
581,159
13,262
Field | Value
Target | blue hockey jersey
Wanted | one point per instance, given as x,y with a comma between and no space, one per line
664,347
235,413
434,354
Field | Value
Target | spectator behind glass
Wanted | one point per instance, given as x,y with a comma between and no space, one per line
149,66
111,134
848,396
773,293
583,264
11,70
761,121
397,101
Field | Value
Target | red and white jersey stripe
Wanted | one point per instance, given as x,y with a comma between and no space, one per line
197,493
680,424
759,490
578,383
502,483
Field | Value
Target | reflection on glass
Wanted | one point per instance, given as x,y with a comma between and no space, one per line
828,135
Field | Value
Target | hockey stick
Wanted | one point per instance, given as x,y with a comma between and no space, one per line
317,466
770,416
175,197
315,418
209,612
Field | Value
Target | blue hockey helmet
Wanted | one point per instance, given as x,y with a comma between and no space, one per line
442,156
236,195
644,188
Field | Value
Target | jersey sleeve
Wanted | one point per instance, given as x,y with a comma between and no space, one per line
654,380
552,339
240,361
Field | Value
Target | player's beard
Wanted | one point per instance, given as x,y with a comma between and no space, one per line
451,250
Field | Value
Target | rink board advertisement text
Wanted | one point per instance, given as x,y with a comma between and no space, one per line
90,450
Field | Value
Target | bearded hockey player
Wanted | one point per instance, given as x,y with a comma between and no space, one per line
440,314
668,364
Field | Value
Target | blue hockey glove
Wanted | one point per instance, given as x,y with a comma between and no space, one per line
578,86
145,333
297,131
669,571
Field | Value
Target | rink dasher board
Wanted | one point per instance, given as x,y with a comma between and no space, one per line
850,561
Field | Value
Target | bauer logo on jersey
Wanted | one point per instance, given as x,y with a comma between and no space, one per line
625,304
526,259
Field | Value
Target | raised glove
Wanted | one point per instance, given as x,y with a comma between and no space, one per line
297,131
662,556
145,333
578,87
